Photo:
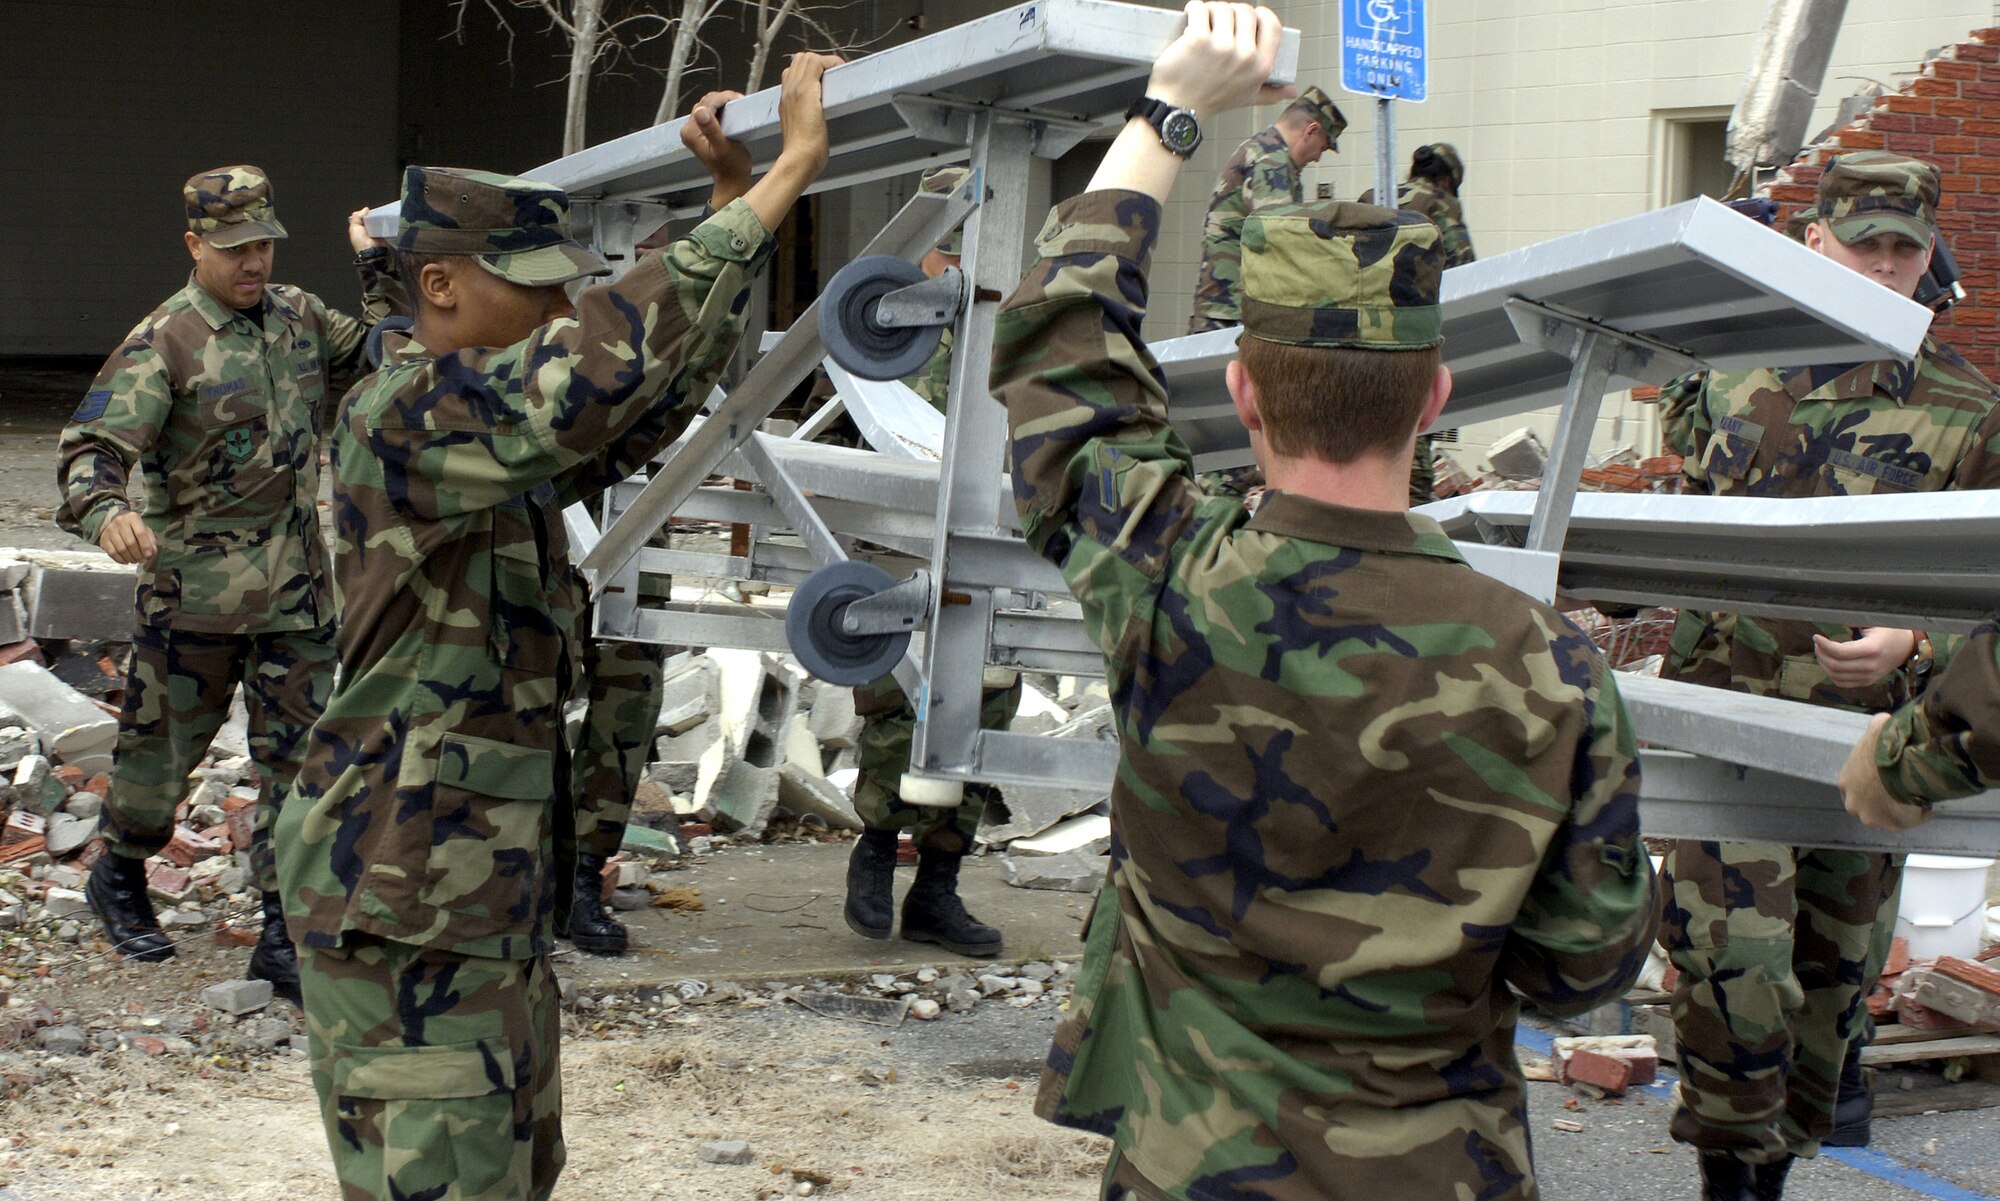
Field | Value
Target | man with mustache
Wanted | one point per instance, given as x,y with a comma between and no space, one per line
219,394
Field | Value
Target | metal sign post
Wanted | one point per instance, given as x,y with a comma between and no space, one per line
1384,53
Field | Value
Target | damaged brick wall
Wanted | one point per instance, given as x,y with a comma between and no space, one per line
1948,115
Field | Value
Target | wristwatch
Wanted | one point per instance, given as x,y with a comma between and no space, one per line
1179,130
1922,655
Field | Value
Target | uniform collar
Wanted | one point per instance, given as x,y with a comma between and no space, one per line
1852,381
1294,516
219,315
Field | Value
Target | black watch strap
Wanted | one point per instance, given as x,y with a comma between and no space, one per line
1179,130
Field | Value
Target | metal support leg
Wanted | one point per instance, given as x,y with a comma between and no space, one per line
947,734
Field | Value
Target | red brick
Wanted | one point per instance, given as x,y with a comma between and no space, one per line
1979,91
1936,125
1945,68
1603,1071
1966,971
92,851
167,880
149,1045
1867,139
189,848
11,851
71,777
1981,128
1786,193
242,823
1956,109
1899,957
1988,36
1933,88
22,825
99,784
25,651
1956,144
1917,1017
235,936
1915,106
1977,52
1892,122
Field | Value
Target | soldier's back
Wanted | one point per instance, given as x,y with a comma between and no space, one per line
1353,771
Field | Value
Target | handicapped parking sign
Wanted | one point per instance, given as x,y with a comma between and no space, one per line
1382,49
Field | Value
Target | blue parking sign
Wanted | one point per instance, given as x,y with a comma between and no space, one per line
1382,47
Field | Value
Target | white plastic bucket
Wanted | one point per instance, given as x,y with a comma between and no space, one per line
1944,905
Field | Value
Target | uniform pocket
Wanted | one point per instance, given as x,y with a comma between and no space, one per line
1728,457
490,830
448,1108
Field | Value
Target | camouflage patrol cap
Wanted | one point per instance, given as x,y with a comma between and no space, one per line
516,228
1317,106
940,181
231,206
1871,192
1439,155
1342,274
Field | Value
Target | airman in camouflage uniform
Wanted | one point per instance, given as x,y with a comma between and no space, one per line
1366,797
417,856
1436,172
219,395
1774,943
932,910
1264,170
624,684
1938,747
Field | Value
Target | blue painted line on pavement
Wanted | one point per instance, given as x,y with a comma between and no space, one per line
1873,1163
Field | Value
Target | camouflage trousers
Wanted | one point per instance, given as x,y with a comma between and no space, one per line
888,728
623,683
177,696
437,1073
1775,946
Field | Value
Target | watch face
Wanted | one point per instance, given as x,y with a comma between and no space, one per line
1180,131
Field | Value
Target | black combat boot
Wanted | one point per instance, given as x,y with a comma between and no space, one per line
1854,1108
871,884
1725,1177
932,911
1767,1181
275,958
116,891
585,921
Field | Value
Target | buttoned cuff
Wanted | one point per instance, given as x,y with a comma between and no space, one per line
735,233
1109,222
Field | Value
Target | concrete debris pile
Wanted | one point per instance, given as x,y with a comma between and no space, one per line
63,621
1945,995
924,995
745,738
1516,462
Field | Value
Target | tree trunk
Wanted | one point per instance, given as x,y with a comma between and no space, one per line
588,19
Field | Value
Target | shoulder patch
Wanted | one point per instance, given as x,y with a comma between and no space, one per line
93,406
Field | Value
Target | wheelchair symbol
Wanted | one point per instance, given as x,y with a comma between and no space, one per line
1383,16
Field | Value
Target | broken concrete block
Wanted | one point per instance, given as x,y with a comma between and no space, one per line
1090,834
1958,989
62,904
801,747
233,739
689,695
13,618
832,719
647,841
35,788
1024,812
67,834
76,731
237,997
13,572
740,795
1519,456
1056,873
167,882
94,602
22,826
724,1151
17,742
809,794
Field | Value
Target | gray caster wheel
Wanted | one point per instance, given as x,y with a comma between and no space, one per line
848,327
812,626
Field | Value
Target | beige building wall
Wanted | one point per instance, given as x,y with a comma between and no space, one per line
1567,113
